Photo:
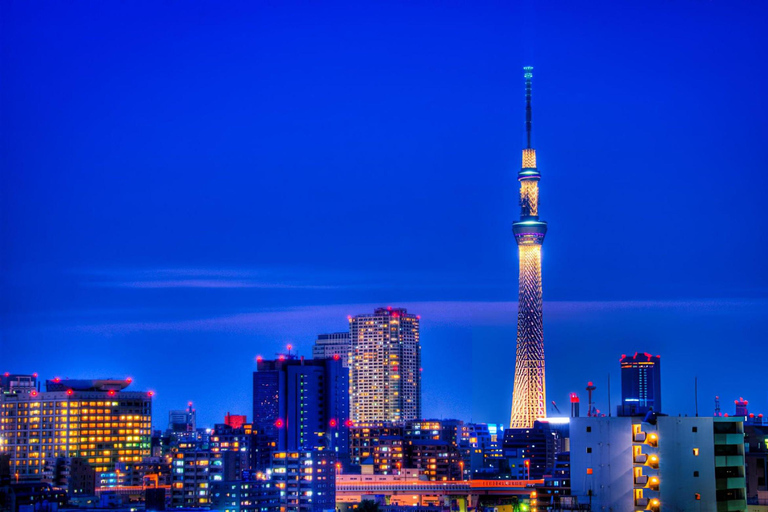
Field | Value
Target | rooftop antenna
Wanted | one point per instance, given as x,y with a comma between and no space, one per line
696,394
528,74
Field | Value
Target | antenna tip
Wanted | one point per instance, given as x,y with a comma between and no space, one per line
528,71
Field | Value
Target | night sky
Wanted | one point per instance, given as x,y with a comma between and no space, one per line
186,185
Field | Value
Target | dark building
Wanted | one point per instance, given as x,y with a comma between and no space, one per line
245,495
557,484
366,442
640,384
75,475
307,480
306,400
530,451
756,460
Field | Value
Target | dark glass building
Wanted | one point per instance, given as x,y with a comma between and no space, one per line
306,401
640,384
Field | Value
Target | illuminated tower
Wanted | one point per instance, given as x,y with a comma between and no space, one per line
529,394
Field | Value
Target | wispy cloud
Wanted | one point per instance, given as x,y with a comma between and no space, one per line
450,313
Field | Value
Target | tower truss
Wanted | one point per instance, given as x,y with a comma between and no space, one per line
529,395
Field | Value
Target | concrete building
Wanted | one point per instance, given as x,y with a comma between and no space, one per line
678,463
327,346
245,495
386,366
96,420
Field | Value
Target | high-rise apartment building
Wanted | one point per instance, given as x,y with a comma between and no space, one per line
529,395
328,346
306,401
640,384
386,366
96,420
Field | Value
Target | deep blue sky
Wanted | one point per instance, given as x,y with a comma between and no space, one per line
186,185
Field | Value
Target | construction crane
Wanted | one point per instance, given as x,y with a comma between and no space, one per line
556,407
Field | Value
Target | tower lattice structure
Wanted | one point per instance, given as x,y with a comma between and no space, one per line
529,394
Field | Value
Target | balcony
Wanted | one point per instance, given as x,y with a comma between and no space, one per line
639,437
722,461
641,458
641,480
732,505
641,502
737,482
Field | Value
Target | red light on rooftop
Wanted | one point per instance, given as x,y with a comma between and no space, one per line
333,423
418,317
760,415
574,398
590,383
658,357
6,374
70,392
34,393
279,423
111,392
389,308
336,357
128,380
34,375
527,462
726,415
281,358
623,356
349,422
290,347
259,359
349,317
751,415
151,393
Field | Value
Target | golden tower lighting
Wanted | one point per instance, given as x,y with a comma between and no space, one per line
529,394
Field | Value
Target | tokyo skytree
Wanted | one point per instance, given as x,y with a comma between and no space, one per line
529,394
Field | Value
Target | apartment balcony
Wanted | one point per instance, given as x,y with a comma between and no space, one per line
737,482
724,461
641,458
639,437
641,480
732,505
729,438
642,502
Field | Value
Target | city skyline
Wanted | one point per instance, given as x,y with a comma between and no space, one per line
212,185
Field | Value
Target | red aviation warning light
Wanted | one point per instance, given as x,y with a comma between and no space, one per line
279,423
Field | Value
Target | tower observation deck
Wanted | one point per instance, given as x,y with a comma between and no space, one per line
529,395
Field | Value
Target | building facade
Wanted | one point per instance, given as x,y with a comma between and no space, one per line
640,384
306,401
529,394
327,346
386,366
678,463
95,420
306,480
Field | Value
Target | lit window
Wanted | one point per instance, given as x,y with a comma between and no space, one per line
697,496
589,471
695,452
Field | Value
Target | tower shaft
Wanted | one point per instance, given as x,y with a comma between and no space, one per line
529,394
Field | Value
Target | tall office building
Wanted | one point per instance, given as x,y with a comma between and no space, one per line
306,401
328,346
529,394
95,420
386,366
640,384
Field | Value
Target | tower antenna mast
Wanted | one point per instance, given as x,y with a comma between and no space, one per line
528,74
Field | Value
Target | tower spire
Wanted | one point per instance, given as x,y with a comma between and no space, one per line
528,74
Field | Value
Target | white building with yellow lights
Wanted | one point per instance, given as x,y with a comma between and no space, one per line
385,367
678,463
